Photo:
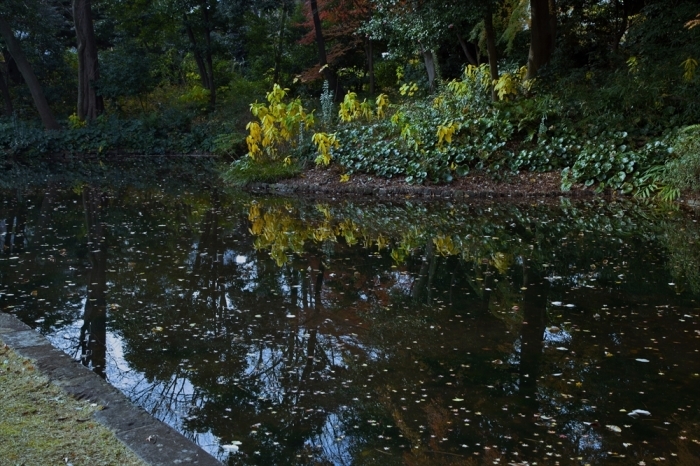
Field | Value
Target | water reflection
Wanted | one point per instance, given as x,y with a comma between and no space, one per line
93,332
349,333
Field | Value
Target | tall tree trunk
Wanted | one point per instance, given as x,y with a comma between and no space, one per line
30,78
90,103
493,52
280,44
328,73
5,91
542,28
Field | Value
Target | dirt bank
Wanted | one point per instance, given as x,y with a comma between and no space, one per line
523,185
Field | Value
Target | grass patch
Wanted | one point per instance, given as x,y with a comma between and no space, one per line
41,424
245,171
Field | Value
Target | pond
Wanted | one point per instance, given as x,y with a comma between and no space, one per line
281,331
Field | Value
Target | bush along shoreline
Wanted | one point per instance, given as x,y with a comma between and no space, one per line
460,129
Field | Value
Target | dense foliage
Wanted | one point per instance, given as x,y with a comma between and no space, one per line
603,91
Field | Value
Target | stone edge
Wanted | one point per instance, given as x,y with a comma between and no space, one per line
150,439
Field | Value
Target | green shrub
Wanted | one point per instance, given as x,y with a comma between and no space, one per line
683,171
246,170
151,135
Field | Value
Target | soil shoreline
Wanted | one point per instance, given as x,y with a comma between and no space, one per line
519,187
328,181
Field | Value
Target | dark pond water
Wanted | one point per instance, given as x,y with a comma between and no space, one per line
274,331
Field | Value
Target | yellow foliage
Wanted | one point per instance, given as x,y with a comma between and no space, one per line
324,143
324,232
522,73
410,136
445,133
278,126
344,178
408,89
399,73
382,102
349,109
689,67
382,242
398,118
633,65
478,75
347,229
505,86
445,246
502,261
366,110
74,122
325,210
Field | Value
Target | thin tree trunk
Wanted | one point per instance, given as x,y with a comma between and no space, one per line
30,78
370,65
280,44
541,36
90,103
429,61
470,57
208,55
493,52
197,55
328,73
7,107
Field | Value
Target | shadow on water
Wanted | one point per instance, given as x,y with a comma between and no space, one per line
274,331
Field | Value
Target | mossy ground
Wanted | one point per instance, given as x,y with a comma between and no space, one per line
42,425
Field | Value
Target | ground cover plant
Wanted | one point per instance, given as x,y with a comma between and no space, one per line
41,424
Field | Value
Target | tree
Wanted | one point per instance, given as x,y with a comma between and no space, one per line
198,18
328,72
90,103
341,20
542,35
30,78
6,98
413,26
491,47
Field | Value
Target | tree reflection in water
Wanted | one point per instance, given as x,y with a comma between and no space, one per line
358,334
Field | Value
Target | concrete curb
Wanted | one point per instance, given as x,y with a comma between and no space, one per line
151,440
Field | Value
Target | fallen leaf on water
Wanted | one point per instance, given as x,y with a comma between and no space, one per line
641,360
232,447
639,412
613,428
